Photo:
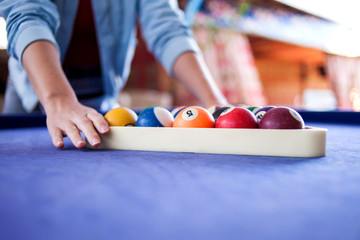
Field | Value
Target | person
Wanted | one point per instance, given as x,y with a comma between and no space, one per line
52,59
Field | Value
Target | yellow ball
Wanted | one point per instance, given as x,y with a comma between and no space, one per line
121,116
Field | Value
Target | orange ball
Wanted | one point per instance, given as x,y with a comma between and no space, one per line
194,117
121,116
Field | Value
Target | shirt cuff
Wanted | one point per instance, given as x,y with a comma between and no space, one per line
31,34
175,48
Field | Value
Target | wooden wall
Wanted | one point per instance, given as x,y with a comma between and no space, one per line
286,70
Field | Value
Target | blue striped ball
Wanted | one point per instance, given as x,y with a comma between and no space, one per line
155,117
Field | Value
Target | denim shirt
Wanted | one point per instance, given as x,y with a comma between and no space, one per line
162,23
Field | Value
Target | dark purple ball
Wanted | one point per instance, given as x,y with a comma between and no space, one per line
282,118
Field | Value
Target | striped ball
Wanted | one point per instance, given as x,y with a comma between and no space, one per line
155,117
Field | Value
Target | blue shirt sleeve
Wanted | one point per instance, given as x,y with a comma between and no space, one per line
29,21
165,31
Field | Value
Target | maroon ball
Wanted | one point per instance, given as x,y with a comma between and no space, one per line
236,117
282,118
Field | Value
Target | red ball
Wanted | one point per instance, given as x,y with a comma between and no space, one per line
282,118
236,117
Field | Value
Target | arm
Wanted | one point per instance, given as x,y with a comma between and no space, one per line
65,115
171,40
31,26
191,70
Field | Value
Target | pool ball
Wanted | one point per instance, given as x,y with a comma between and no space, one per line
282,118
121,116
236,117
253,109
217,113
194,117
261,112
176,110
214,108
155,117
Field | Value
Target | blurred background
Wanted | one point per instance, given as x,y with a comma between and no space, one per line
303,54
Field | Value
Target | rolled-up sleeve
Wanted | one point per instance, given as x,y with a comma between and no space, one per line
29,21
165,31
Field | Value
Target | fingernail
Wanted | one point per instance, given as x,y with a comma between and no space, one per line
81,143
59,144
104,129
95,141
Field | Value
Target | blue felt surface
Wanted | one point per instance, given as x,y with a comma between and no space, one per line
46,193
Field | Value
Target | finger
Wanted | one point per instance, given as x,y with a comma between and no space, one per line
89,131
74,134
99,122
56,137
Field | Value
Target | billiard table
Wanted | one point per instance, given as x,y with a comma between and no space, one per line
48,193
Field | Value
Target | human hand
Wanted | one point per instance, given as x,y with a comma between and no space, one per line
69,118
65,115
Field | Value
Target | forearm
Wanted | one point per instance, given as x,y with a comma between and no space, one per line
42,64
191,70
